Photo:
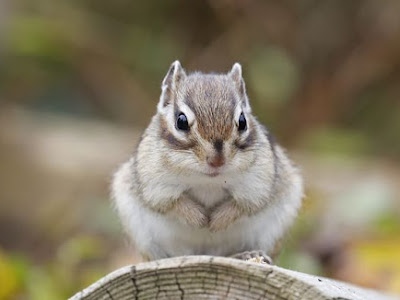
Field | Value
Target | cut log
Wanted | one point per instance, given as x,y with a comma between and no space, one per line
208,277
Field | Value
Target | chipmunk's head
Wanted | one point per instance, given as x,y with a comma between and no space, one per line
206,121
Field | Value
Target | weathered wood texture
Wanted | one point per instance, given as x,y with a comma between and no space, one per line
206,277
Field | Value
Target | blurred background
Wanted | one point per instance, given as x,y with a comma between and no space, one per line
79,80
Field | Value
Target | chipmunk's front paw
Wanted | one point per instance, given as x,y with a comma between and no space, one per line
217,223
196,218
223,216
191,213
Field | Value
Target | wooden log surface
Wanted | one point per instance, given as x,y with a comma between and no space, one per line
208,277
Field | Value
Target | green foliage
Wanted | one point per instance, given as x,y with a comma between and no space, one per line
75,266
328,87
273,75
35,37
335,141
9,277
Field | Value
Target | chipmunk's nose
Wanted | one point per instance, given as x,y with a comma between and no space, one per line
216,161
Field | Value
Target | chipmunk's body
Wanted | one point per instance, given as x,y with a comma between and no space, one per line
206,178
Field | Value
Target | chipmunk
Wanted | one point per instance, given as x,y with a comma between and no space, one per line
207,177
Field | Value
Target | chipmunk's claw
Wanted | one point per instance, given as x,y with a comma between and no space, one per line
259,256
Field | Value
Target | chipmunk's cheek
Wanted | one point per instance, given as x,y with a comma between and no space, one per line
200,154
245,160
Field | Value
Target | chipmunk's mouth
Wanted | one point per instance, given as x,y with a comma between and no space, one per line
213,174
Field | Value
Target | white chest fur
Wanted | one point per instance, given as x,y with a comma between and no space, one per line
208,194
161,235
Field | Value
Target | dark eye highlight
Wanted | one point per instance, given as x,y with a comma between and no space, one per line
242,123
182,122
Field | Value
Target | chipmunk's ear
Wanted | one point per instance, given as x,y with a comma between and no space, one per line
174,75
170,83
236,75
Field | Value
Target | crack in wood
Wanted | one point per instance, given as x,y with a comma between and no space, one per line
133,278
109,294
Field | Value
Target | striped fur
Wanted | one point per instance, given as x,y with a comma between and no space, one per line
211,189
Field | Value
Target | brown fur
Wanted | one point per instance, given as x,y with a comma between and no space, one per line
191,212
171,139
212,100
256,177
224,215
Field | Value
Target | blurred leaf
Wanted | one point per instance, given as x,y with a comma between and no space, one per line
388,223
149,54
374,263
42,285
9,278
80,248
335,141
35,36
273,75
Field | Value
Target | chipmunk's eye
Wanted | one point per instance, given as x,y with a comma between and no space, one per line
242,123
182,122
